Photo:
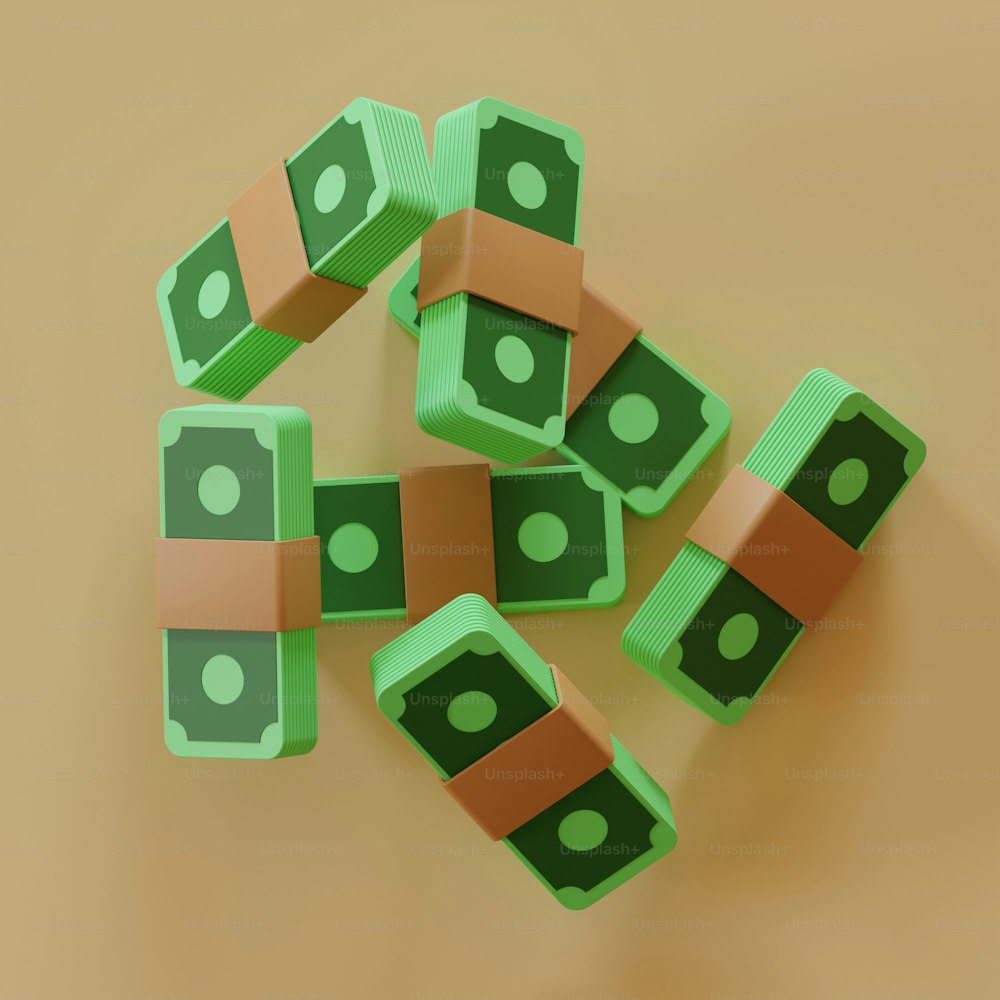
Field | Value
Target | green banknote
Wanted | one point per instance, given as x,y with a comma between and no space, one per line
708,633
461,683
646,427
488,378
363,193
237,472
402,302
557,536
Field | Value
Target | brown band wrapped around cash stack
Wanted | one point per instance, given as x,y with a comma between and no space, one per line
605,332
776,544
538,766
237,585
283,294
533,274
447,519
473,251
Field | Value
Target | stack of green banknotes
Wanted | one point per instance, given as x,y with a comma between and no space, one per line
237,472
461,683
488,378
708,633
646,427
557,536
363,193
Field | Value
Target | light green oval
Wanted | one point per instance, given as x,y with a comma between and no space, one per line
527,185
543,536
330,188
222,679
514,359
472,711
848,481
633,418
219,489
738,636
583,830
353,547
213,294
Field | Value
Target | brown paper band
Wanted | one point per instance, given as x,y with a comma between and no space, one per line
605,331
775,544
538,766
237,586
447,517
283,294
473,251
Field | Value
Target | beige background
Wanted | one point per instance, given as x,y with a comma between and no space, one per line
771,187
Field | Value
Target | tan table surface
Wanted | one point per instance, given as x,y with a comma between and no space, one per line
769,187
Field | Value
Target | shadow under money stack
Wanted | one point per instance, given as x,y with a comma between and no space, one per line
773,547
297,249
522,751
237,581
517,353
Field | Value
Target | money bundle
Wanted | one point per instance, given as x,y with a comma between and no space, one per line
490,378
520,749
552,538
644,429
792,520
237,581
297,249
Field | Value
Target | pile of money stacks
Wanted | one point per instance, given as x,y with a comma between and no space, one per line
525,355
517,355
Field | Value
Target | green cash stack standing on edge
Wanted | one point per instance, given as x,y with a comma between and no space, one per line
709,634
237,472
488,378
646,427
363,193
461,683
557,538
